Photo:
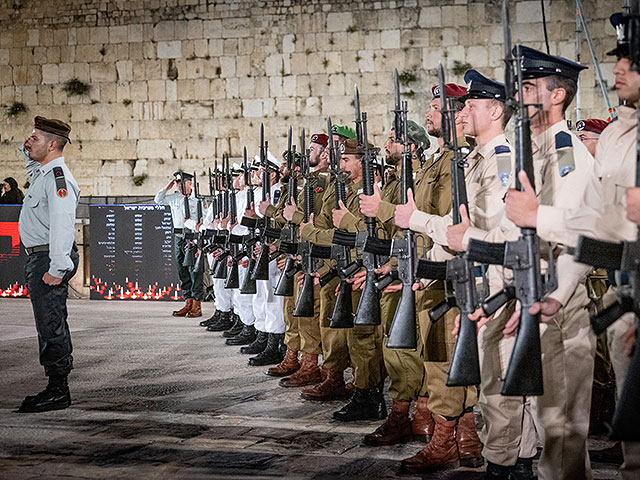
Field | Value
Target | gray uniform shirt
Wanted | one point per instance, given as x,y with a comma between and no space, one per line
175,200
48,214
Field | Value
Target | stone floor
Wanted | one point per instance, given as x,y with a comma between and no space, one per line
158,397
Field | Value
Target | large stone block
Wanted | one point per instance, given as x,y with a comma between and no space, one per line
50,74
194,29
339,22
170,49
453,15
118,34
134,33
103,72
164,31
212,29
154,149
430,17
109,150
125,70
228,67
252,108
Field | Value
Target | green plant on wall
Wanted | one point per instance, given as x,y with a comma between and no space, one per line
138,180
405,77
75,87
460,67
15,109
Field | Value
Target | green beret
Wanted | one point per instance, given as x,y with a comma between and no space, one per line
343,131
418,135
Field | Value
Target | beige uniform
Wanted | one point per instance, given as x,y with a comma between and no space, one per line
567,341
508,432
603,215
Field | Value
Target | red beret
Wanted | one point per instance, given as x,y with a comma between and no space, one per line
451,89
594,125
320,138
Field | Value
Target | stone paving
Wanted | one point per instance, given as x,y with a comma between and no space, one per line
158,397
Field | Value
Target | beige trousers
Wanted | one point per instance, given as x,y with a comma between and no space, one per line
309,327
562,412
509,430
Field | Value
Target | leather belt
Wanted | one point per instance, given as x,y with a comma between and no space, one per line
36,249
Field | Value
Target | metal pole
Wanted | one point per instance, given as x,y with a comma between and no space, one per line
578,51
612,113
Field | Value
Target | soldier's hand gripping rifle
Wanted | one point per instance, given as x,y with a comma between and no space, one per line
219,237
267,232
289,238
342,316
305,303
524,373
624,259
465,363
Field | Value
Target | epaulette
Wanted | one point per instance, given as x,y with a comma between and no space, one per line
61,183
503,161
276,197
564,149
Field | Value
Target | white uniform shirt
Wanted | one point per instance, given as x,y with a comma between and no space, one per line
175,201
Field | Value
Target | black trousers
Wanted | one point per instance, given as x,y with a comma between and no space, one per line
191,281
50,311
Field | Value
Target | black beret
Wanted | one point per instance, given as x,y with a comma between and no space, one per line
52,125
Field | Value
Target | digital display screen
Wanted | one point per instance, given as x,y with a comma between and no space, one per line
12,256
132,253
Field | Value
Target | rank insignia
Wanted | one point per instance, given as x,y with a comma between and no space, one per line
62,192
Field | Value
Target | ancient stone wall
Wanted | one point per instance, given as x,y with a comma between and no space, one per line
175,83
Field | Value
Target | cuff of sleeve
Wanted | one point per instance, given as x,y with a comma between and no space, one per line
298,217
347,220
418,221
270,212
549,220
386,211
564,291
472,233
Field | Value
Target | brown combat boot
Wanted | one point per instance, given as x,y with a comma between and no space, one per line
331,388
196,309
396,429
440,453
184,310
422,422
309,373
469,445
287,366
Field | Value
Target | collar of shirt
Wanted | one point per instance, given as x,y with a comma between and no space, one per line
56,162
627,116
545,142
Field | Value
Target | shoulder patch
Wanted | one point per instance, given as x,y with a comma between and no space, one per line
502,149
276,197
61,183
564,150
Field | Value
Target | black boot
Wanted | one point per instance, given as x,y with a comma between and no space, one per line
258,345
212,319
497,472
363,406
523,470
271,355
235,329
245,337
224,322
55,397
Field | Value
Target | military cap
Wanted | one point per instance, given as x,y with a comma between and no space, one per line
537,64
185,176
418,134
350,147
479,86
343,131
236,170
320,139
52,125
272,160
620,22
451,89
594,125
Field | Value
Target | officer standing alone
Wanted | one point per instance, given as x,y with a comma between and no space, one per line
47,222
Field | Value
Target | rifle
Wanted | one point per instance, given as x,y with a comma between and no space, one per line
342,316
623,257
261,269
524,373
220,237
248,284
233,277
200,237
305,303
368,311
288,245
